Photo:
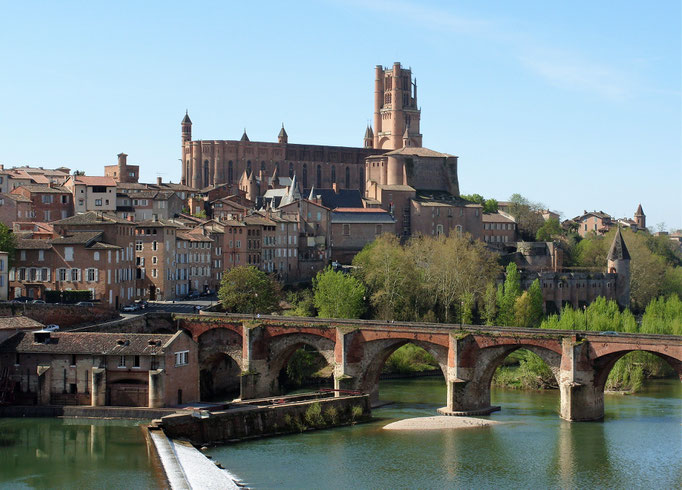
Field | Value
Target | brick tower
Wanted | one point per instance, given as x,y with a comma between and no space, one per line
618,261
640,218
395,108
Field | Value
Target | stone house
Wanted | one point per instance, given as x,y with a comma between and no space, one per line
353,228
98,369
498,228
15,207
155,265
92,193
48,202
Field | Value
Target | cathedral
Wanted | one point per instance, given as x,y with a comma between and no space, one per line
396,116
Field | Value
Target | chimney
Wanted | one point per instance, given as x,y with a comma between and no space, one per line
335,186
158,181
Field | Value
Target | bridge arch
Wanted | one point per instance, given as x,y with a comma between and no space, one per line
282,347
377,352
220,362
605,363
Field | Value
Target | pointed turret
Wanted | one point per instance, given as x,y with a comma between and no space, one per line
311,196
406,137
282,137
618,250
245,137
618,262
369,137
640,218
186,128
292,195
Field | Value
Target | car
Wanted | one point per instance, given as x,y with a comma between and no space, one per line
38,302
129,308
609,332
85,303
142,304
193,295
51,328
21,299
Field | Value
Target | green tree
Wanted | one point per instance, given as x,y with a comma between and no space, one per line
391,280
549,230
488,307
510,291
8,243
536,303
246,289
527,216
490,206
338,295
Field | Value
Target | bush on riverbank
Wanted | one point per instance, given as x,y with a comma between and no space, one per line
410,359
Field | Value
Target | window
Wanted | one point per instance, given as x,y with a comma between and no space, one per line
41,255
155,245
154,259
136,362
47,199
91,275
98,202
138,245
346,230
75,275
182,358
22,255
68,254
61,275
154,273
121,361
95,256
377,229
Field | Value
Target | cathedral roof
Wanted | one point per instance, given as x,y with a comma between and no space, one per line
282,132
618,250
245,137
639,211
186,119
418,152
368,132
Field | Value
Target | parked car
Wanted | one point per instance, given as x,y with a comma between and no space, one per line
130,308
38,302
142,304
85,303
21,299
51,328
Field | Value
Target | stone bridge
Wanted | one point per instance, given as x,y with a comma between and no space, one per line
468,355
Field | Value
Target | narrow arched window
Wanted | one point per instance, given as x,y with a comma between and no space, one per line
230,171
347,177
248,165
291,169
318,177
304,178
333,174
205,183
262,166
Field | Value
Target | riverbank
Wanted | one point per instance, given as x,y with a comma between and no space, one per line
440,422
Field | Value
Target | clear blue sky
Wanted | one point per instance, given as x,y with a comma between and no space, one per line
574,104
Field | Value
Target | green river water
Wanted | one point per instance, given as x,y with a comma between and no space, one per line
639,445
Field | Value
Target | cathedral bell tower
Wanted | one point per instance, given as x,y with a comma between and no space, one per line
395,108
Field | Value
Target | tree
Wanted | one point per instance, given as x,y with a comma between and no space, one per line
338,295
489,205
489,304
510,291
522,311
527,216
536,303
390,277
246,289
549,230
8,244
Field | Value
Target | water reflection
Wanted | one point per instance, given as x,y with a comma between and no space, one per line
53,453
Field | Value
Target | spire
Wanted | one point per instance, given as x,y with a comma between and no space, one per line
245,136
283,137
618,250
186,119
311,197
368,132
406,137
639,211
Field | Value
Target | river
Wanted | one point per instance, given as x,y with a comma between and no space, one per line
638,445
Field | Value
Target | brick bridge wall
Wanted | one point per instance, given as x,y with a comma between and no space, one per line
468,355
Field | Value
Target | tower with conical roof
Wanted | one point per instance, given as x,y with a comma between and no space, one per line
282,137
369,137
640,218
618,262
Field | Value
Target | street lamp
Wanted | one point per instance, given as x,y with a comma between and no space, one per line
461,313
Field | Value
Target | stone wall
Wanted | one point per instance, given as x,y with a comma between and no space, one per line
62,315
263,421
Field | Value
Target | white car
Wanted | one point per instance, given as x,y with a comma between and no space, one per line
130,308
51,328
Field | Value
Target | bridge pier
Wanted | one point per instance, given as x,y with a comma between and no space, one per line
581,398
347,365
257,379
